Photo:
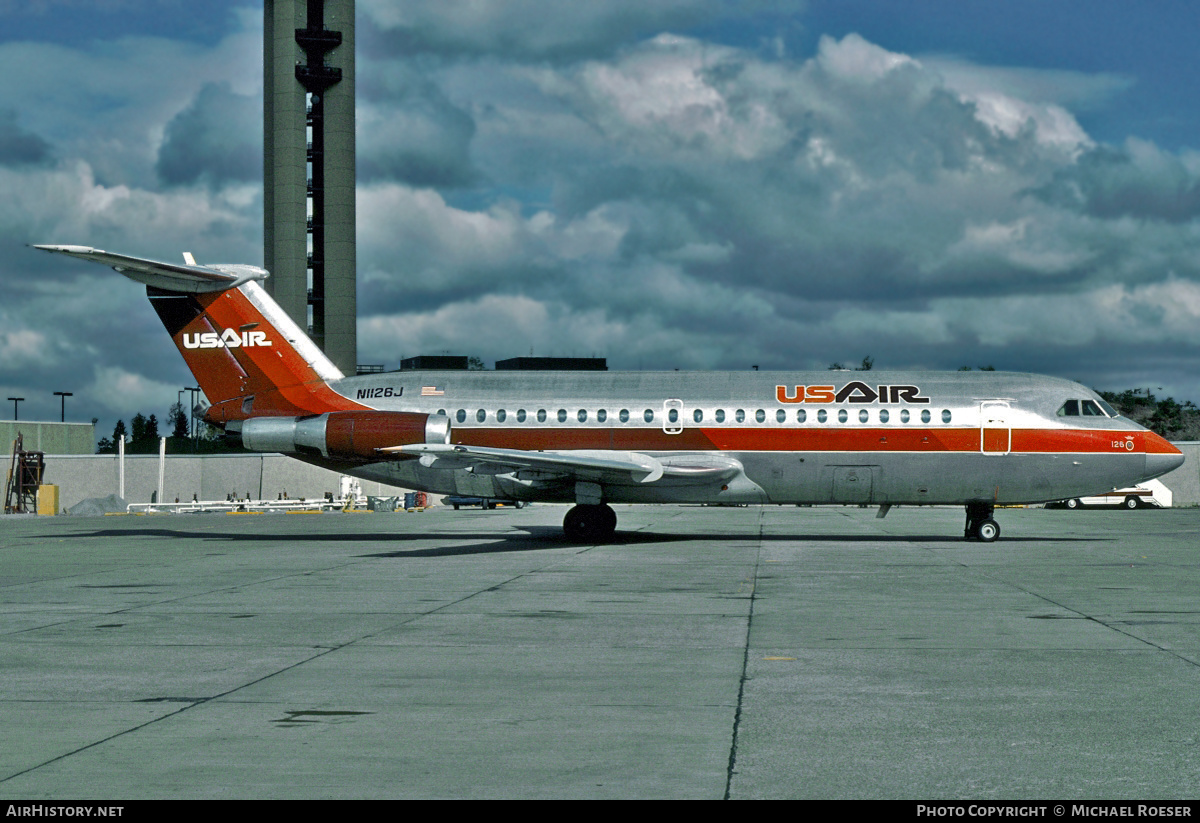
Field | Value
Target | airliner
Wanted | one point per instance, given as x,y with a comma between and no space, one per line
909,438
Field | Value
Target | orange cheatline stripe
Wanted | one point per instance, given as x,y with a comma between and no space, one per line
918,440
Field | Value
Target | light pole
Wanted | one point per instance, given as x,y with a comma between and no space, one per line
16,400
64,395
195,390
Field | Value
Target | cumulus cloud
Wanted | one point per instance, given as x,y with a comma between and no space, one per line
409,131
1136,180
19,147
524,29
589,180
217,139
116,390
789,213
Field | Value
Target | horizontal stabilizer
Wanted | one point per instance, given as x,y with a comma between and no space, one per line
187,278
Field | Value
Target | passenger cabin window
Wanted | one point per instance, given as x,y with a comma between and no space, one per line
461,415
648,415
760,415
481,415
946,415
925,416
720,415
541,415
822,416
842,416
562,415
520,415
624,415
698,415
801,415
780,416
884,415
601,415
740,416
863,416
501,415
582,415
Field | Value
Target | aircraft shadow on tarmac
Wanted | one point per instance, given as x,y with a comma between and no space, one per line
538,538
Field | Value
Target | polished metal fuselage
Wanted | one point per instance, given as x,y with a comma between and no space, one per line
872,437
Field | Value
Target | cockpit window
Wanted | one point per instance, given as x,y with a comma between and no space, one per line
1086,408
1109,410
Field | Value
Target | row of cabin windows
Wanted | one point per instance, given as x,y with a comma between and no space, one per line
739,416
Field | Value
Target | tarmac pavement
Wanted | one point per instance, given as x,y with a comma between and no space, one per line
749,652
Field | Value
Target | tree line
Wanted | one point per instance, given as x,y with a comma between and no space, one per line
142,436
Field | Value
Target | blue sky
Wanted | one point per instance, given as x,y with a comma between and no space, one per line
688,183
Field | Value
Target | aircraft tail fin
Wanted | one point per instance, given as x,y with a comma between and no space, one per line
248,356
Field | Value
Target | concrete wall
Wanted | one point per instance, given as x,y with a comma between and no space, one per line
212,477
52,438
1184,482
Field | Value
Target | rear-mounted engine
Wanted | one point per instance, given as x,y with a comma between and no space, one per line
352,435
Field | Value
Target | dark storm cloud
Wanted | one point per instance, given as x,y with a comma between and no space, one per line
583,178
19,147
1136,180
409,131
217,139
523,29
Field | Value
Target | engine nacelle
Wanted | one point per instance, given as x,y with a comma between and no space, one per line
352,435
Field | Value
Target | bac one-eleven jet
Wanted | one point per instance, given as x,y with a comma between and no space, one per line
975,439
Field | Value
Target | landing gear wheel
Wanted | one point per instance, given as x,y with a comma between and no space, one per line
590,524
987,531
980,525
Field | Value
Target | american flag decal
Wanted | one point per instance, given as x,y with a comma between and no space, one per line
431,391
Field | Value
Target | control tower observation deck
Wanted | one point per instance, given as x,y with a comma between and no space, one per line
308,169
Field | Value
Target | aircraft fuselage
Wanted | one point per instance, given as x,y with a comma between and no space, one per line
799,437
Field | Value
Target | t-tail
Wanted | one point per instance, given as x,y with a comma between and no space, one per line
248,356
262,376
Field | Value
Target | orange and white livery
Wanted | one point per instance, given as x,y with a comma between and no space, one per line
976,439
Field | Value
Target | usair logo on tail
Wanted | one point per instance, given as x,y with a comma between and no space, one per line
228,339
853,392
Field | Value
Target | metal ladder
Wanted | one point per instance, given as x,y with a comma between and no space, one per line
25,470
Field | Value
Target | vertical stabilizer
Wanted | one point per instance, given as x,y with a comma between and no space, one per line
247,355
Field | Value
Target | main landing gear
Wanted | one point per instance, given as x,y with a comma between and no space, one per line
590,524
980,525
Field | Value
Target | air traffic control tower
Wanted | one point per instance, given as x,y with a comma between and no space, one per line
308,168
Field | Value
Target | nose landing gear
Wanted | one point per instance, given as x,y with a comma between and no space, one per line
980,525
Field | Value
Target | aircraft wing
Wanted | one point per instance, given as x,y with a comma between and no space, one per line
188,277
596,466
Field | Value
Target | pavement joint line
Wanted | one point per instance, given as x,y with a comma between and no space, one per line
737,713
1082,615
322,653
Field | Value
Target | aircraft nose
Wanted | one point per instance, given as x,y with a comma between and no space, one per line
1161,456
